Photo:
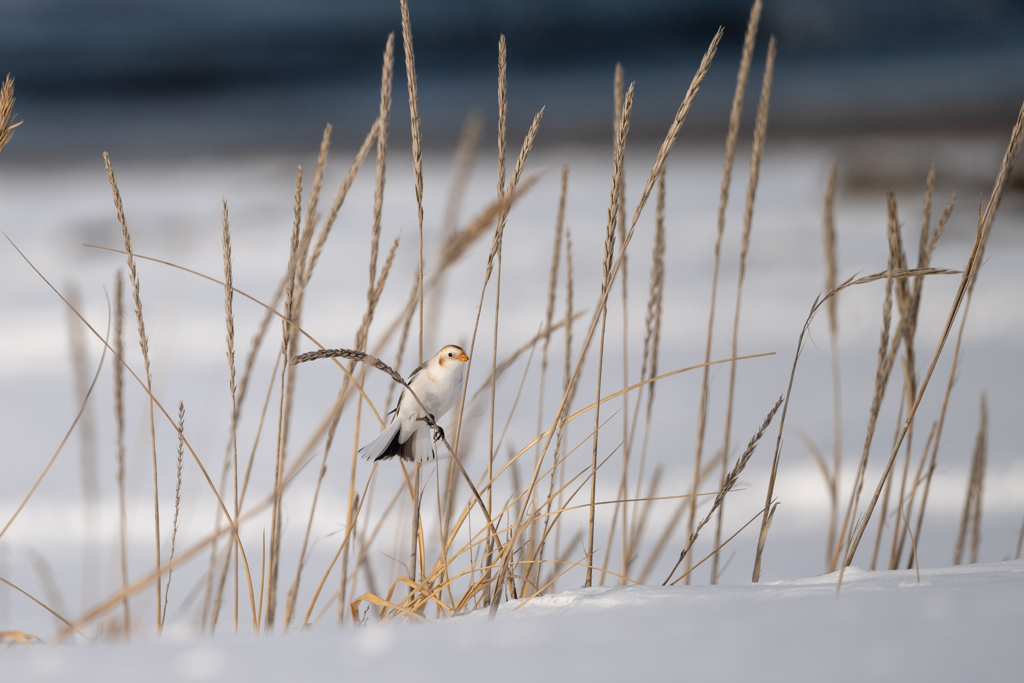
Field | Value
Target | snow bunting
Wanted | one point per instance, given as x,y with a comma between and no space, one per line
438,385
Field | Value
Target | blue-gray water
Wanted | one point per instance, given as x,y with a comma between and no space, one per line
230,76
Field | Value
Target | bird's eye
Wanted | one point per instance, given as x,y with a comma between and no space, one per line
449,354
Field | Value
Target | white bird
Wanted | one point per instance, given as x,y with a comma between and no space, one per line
438,385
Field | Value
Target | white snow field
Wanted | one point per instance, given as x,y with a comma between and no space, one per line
958,624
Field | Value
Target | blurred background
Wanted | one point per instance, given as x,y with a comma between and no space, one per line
202,100
235,75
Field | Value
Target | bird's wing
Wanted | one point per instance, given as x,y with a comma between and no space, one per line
409,380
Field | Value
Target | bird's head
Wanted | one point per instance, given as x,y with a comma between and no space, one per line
451,357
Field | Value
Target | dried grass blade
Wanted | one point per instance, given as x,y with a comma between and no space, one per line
727,485
622,130
144,344
120,452
177,509
760,133
7,111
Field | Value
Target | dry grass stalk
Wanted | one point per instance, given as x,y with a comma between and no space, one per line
212,595
908,298
339,199
966,284
306,236
913,545
1020,542
289,611
757,150
502,110
87,450
417,143
495,251
39,602
883,516
722,545
566,405
953,367
387,73
461,240
659,165
510,360
298,296
549,314
730,153
981,455
620,209
505,205
133,276
617,85
349,527
970,520
122,502
7,111
275,520
730,480
828,229
361,339
45,575
886,358
353,510
229,321
918,479
177,510
641,515
649,361
256,343
618,170
556,256
465,158
912,308
462,168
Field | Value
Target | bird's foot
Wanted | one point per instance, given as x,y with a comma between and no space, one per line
438,432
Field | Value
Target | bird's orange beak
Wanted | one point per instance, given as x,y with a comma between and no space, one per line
463,356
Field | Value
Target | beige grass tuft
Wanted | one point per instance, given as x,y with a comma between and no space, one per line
7,112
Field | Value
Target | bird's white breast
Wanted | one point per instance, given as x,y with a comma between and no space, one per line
438,390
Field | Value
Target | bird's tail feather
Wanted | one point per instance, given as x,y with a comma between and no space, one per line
385,445
419,447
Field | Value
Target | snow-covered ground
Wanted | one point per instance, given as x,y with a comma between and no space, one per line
957,624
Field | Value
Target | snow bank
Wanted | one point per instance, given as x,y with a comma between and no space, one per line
960,623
